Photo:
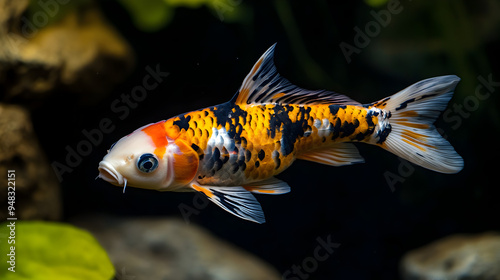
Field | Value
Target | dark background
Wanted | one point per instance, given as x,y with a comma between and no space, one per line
375,220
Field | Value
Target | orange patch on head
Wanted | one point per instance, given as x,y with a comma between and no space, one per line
159,137
160,151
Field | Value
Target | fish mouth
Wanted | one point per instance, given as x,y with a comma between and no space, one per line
109,174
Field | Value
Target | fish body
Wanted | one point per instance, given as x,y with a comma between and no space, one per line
231,150
250,143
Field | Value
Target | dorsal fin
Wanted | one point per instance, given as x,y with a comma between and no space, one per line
264,85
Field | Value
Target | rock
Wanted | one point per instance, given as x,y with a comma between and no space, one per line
455,257
37,194
81,53
166,248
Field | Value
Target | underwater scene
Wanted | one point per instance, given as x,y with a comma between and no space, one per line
249,140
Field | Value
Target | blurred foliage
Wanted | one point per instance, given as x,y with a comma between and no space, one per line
43,13
152,15
47,250
147,15
376,3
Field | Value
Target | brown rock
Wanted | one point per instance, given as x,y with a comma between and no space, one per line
166,248
37,194
455,257
80,53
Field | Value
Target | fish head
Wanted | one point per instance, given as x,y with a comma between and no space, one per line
139,160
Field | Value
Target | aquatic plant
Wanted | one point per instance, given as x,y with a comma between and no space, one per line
49,250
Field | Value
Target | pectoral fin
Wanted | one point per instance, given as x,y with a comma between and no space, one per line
269,186
235,200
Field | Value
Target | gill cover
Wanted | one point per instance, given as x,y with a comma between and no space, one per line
184,161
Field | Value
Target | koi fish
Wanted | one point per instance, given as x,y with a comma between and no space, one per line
231,150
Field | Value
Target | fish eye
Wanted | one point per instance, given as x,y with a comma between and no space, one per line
147,163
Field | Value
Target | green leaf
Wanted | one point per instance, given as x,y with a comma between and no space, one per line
48,250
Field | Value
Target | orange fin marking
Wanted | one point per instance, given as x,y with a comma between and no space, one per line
413,144
414,134
411,138
414,125
409,113
253,189
207,192
257,65
278,95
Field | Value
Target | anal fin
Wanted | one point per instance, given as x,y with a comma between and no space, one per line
337,155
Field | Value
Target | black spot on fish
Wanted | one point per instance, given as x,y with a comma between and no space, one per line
334,108
405,104
244,142
428,95
356,123
276,158
241,157
248,155
348,128
336,128
183,122
195,147
261,154
360,136
235,168
206,113
242,164
227,204
291,130
218,164
369,118
257,164
216,153
383,133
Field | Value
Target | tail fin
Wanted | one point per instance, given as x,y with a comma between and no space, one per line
406,127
